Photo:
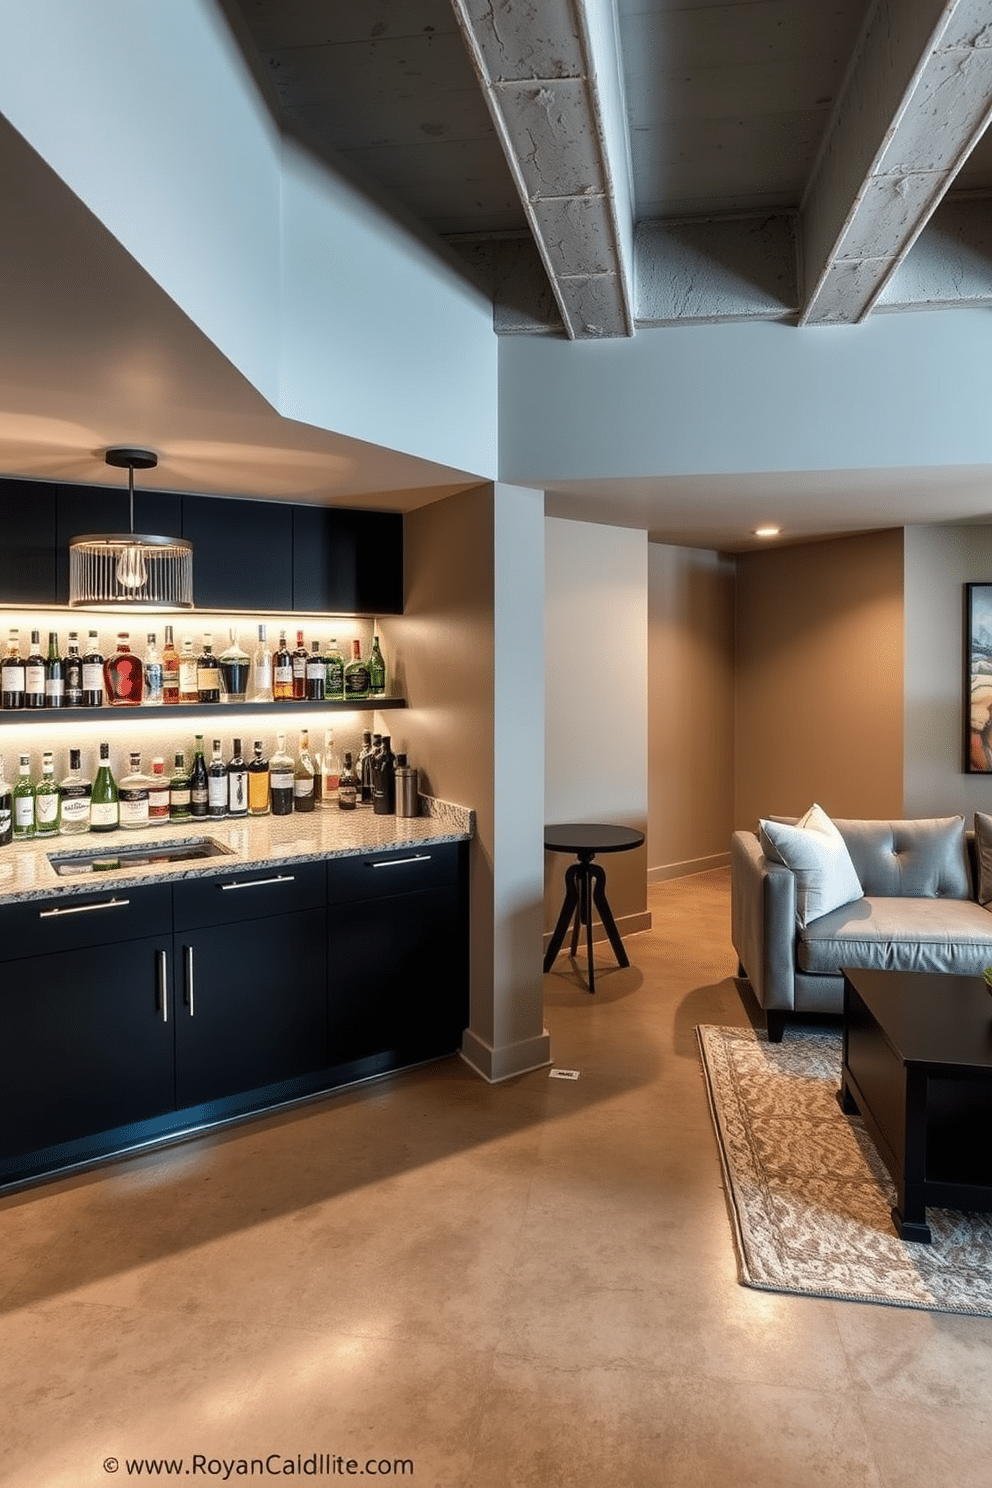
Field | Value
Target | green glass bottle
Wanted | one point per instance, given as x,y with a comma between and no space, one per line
24,801
377,670
47,801
104,805
334,684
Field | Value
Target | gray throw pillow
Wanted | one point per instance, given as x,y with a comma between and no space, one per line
983,845
817,855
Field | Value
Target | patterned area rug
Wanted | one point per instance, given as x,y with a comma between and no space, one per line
808,1195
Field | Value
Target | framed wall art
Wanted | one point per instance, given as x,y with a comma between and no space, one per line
978,679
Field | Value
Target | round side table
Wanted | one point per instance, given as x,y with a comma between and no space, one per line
585,885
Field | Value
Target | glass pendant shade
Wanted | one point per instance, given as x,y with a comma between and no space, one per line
131,569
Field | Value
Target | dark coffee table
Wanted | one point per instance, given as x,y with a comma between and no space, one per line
918,1067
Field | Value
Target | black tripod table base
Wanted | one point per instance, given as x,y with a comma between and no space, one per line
585,888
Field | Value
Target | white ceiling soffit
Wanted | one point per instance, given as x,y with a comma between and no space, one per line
552,79
916,99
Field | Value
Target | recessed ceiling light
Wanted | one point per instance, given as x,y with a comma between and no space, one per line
767,531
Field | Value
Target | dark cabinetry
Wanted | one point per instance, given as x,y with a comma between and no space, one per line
242,553
347,562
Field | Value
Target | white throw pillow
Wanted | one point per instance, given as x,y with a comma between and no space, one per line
817,854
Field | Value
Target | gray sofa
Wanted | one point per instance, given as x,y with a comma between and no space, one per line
922,883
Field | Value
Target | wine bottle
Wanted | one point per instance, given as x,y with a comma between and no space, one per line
75,792
207,672
356,675
158,792
348,785
54,673
104,807
133,795
73,673
377,670
261,670
316,674
12,673
282,671
23,798
179,790
188,689
237,782
93,674
170,669
303,777
34,674
299,664
258,783
234,668
216,784
281,767
384,780
199,784
122,675
334,673
370,748
6,806
46,799
154,673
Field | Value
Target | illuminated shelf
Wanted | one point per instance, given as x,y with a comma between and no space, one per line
166,711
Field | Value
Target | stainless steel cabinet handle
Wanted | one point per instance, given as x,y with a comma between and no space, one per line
163,986
47,914
256,883
395,862
188,960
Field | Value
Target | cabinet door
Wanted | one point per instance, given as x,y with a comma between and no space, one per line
27,554
250,1005
86,1043
347,562
242,553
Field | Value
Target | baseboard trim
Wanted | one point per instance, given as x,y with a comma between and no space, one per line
495,1065
686,870
627,925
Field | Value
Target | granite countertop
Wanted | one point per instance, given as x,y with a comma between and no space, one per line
253,842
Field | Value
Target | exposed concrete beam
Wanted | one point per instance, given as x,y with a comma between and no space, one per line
553,82
731,268
950,264
917,97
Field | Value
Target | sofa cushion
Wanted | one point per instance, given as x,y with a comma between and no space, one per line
920,934
983,854
816,853
910,859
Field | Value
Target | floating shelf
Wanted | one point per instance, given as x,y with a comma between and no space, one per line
165,711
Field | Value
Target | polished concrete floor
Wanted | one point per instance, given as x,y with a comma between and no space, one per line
531,1285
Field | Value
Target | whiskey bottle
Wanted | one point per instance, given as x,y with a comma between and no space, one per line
334,673
356,675
34,674
261,670
258,783
330,771
237,783
12,673
54,673
104,807
316,674
234,668
189,691
93,673
282,672
180,809
122,675
207,672
46,799
170,669
133,795
348,785
154,673
216,784
75,791
303,777
199,784
300,668
377,670
158,792
281,779
73,673
6,806
23,798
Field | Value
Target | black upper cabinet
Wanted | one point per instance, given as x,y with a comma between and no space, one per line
28,573
347,562
242,553
89,509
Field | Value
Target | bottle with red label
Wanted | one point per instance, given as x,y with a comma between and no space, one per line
123,675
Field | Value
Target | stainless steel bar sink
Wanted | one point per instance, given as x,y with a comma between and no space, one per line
107,860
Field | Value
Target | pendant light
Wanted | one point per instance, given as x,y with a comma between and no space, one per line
131,569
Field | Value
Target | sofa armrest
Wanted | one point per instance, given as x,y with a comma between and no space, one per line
763,921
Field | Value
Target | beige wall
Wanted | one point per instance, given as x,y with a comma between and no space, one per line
819,679
690,709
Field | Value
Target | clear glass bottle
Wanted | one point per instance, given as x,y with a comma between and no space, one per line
377,670
46,799
199,784
281,768
104,807
299,664
180,808
216,784
356,675
6,806
12,673
207,672
188,689
235,666
154,673
348,785
34,674
330,771
54,673
133,795
316,674
258,782
75,791
303,777
170,669
237,783
23,798
282,671
73,673
261,670
93,673
158,792
123,679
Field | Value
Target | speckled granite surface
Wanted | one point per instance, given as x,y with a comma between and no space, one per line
253,842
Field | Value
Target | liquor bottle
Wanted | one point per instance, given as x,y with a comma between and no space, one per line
363,767
73,673
170,669
133,795
188,689
282,671
12,673
54,673
158,792
258,783
23,798
281,768
316,674
154,672
46,799
384,780
199,784
93,673
179,790
261,670
216,784
207,672
300,668
330,771
303,777
237,782
75,791
6,806
104,807
34,674
234,668
334,674
377,670
122,675
348,785
356,675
